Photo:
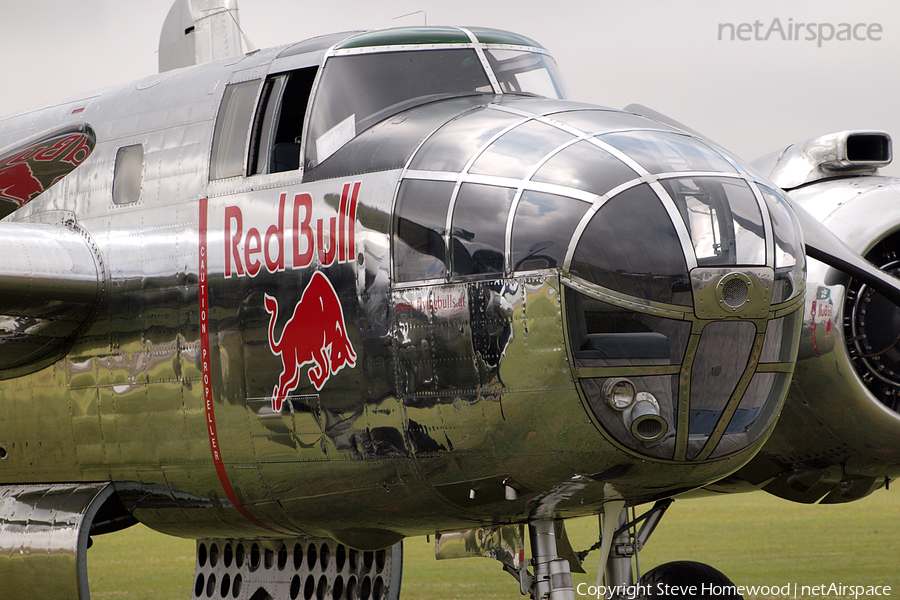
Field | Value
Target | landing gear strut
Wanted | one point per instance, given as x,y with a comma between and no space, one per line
552,574
553,559
702,581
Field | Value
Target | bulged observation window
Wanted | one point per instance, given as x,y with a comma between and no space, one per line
129,174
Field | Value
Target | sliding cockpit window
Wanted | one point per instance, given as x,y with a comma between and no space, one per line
232,129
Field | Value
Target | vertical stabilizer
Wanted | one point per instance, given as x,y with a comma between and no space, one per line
199,31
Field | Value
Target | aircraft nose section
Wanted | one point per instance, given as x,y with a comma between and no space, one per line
682,270
682,300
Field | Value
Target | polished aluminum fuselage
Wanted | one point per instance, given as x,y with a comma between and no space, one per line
458,400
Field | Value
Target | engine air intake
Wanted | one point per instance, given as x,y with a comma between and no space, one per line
869,148
839,154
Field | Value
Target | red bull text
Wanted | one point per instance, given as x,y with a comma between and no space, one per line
248,251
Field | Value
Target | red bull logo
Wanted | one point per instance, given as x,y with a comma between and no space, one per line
315,335
27,172
18,184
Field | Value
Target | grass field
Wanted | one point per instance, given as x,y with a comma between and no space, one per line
755,539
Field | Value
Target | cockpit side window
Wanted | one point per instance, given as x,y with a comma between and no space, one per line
278,125
479,227
520,72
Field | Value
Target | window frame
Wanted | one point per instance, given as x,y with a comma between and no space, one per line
127,179
234,120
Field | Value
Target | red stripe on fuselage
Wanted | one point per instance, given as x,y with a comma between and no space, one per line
207,383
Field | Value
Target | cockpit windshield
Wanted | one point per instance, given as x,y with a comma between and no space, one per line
359,90
374,76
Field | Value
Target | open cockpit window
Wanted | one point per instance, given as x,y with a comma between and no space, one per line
278,125
357,91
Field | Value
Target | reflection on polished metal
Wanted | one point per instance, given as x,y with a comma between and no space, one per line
505,544
552,575
372,286
608,519
836,154
846,377
44,537
618,566
52,281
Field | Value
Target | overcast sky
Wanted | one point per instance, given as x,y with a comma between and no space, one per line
752,96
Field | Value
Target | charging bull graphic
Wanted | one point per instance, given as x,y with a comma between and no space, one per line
18,184
314,335
28,170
